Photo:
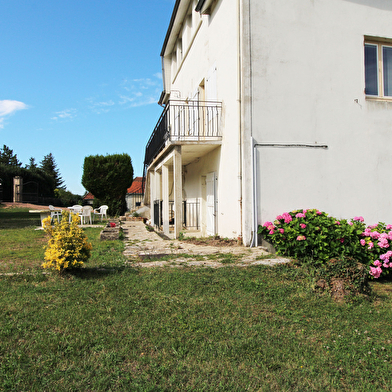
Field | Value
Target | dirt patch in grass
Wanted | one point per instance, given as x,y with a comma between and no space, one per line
211,241
24,205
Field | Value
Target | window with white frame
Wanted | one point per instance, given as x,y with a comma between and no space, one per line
378,69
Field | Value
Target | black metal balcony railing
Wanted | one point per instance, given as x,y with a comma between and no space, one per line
184,121
190,214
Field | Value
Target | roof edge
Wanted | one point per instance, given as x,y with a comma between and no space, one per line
173,17
199,5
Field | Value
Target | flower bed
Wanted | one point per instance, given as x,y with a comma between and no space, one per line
312,234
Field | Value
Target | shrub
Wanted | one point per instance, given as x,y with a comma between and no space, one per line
108,178
313,234
375,242
67,198
346,272
67,246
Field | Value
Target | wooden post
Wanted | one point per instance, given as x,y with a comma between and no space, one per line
18,189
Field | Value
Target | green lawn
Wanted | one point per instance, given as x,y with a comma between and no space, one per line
114,327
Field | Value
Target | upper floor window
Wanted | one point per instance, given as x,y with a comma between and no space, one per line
378,69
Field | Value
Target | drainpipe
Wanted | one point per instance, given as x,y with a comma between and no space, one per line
254,240
239,86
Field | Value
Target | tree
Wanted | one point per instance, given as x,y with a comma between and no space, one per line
7,157
48,165
32,165
108,178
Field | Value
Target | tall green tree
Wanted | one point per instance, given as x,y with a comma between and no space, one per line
108,178
7,157
31,165
49,166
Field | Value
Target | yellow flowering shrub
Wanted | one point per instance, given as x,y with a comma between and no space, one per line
67,245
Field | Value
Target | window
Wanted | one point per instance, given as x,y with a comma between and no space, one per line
378,69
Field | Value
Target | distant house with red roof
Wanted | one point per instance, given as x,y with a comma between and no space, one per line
135,192
88,198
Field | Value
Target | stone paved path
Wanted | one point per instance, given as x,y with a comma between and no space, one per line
148,249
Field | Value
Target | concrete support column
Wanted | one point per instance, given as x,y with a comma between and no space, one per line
158,194
152,196
177,175
165,198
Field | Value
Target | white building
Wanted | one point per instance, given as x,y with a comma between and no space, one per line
270,106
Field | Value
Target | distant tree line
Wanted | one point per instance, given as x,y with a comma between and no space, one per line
46,174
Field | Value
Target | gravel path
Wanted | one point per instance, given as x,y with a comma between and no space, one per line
148,249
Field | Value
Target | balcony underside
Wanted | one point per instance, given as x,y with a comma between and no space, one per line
190,150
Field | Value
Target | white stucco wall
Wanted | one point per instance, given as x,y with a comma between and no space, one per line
306,79
215,47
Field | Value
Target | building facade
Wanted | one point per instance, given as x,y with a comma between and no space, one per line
271,106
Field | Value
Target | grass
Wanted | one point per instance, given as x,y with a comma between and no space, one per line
112,327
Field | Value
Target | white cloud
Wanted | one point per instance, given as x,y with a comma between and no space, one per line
66,114
158,75
126,99
108,103
100,107
8,107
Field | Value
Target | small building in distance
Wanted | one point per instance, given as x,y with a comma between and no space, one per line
134,196
88,199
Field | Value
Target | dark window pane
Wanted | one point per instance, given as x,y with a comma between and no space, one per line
371,79
387,68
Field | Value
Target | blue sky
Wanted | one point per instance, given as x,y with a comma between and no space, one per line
79,78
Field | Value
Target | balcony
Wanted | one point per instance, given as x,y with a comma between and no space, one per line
185,122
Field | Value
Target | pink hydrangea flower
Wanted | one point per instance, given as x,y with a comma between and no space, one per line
341,240
279,217
350,223
383,243
337,223
305,211
358,218
300,215
370,245
266,224
281,231
385,265
303,226
271,231
367,232
375,234
301,238
377,263
287,217
375,272
389,227
363,242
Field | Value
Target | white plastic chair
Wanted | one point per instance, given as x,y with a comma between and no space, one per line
55,213
102,211
86,213
75,209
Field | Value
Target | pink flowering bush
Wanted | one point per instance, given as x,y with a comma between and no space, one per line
312,234
376,241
